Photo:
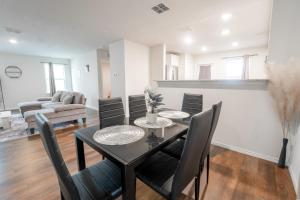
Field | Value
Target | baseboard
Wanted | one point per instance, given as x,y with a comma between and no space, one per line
246,151
295,181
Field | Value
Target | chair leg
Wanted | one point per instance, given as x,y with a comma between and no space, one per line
31,130
207,168
197,186
62,196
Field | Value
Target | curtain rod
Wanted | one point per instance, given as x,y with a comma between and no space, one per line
240,56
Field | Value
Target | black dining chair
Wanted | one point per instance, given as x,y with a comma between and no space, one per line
111,112
137,107
175,149
168,175
100,181
192,103
206,154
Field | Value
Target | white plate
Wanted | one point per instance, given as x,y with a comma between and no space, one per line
161,123
174,114
119,135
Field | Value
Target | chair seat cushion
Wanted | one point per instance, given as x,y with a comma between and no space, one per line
100,181
175,149
158,172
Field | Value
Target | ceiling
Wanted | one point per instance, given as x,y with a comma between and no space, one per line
66,28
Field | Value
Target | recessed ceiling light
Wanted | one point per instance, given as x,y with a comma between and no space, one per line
235,44
226,17
225,32
204,48
188,40
13,41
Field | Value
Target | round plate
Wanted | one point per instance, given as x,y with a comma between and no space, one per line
174,114
161,122
119,135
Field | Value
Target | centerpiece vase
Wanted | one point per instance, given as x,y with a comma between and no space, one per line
151,117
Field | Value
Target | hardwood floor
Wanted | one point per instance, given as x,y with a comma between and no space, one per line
26,172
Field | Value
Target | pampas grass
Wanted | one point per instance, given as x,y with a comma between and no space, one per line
284,87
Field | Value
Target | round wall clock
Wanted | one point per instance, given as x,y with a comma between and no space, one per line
13,72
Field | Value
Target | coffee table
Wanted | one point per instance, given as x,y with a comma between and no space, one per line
5,119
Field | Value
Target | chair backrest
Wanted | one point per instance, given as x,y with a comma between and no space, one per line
48,137
216,113
111,112
192,103
188,166
137,107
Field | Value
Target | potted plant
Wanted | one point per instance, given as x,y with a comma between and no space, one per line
153,101
284,87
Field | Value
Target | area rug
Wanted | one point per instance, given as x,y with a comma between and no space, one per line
17,130
19,126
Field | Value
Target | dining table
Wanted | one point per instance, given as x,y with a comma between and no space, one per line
129,156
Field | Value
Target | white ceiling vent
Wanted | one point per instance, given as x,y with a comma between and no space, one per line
160,8
12,30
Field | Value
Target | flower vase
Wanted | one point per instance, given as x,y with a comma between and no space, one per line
151,117
281,161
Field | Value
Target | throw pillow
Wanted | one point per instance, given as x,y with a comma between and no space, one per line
68,99
56,97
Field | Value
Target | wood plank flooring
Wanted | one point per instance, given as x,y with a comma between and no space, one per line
26,172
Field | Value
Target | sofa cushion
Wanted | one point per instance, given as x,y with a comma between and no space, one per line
78,98
63,95
30,103
51,114
56,96
45,99
68,99
51,104
30,115
60,108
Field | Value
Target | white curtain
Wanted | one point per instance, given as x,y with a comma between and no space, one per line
245,75
52,80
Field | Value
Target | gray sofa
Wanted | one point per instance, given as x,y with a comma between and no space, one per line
62,107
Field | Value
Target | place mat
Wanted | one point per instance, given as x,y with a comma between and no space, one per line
161,123
119,135
174,114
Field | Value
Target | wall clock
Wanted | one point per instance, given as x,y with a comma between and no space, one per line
13,72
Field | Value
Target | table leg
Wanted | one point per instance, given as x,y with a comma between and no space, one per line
80,154
128,183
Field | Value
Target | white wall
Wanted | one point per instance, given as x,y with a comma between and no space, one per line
117,64
284,44
247,122
31,85
137,60
86,82
130,69
284,36
157,63
257,70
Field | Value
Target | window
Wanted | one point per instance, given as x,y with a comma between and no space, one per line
171,72
205,72
47,76
59,75
234,68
